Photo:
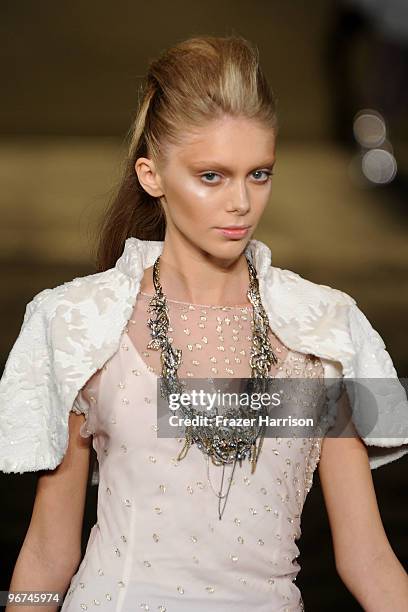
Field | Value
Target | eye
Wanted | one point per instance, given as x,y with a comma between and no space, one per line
209,175
268,174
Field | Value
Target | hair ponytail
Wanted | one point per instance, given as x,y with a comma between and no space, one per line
133,211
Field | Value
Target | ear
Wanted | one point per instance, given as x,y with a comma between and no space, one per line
148,176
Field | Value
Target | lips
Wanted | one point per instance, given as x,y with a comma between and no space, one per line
236,232
234,227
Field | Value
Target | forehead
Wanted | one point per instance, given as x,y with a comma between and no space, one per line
229,140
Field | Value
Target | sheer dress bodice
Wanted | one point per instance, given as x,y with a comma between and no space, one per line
215,340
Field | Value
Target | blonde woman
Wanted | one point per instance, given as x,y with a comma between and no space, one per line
191,523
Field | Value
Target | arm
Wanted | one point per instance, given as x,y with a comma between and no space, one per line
364,558
51,550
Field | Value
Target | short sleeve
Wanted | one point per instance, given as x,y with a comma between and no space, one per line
86,403
378,400
80,405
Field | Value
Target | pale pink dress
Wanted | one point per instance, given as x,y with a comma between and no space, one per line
158,543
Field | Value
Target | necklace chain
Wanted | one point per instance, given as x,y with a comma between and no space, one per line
231,446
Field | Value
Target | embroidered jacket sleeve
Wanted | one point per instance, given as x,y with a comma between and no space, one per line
378,400
27,442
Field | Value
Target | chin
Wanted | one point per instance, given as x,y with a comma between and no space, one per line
230,250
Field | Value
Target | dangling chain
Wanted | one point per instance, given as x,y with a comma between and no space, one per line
222,446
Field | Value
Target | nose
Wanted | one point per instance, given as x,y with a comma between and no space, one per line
239,198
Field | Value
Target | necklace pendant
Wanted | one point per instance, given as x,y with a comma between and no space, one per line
154,344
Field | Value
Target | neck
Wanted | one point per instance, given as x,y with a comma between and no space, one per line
189,274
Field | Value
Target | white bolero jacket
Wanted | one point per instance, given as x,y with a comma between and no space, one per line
71,330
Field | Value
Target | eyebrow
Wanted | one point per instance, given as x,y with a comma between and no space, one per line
217,166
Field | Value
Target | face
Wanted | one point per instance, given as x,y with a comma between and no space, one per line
219,176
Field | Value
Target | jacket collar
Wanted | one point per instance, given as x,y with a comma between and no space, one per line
141,254
306,317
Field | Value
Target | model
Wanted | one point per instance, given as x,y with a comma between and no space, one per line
205,520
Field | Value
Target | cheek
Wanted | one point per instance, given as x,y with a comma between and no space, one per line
194,189
192,199
261,197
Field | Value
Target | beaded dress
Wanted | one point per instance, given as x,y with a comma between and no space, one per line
158,544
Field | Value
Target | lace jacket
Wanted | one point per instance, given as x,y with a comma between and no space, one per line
71,330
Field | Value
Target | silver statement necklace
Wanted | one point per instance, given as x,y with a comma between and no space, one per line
224,446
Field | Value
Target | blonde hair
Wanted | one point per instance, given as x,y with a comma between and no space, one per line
194,82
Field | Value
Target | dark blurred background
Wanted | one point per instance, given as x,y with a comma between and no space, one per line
70,76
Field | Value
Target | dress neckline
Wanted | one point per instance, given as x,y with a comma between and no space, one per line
246,305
